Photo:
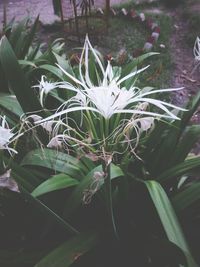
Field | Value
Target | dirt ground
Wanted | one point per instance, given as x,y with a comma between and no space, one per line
185,73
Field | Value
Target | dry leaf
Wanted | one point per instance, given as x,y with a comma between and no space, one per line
7,182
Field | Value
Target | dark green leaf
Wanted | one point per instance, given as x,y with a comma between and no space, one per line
70,251
48,212
56,182
29,38
76,197
17,81
180,169
10,103
54,160
169,219
187,197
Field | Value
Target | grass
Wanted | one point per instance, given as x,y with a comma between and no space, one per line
134,35
127,34
194,22
123,33
191,16
161,65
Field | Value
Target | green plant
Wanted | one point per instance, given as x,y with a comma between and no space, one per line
119,209
29,54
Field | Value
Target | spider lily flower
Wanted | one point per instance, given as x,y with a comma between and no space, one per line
45,87
196,49
6,136
109,97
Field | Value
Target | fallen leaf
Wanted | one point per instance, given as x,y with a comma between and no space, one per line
7,182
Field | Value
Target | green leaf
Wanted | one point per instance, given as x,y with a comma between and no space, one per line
190,137
17,31
47,211
180,169
10,103
16,78
64,63
27,63
22,176
76,197
54,160
18,257
192,107
29,38
160,147
54,70
135,62
187,197
169,219
56,182
70,251
34,53
26,182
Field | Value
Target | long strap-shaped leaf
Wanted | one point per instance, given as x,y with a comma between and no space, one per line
187,197
186,143
21,175
57,161
70,251
16,78
29,38
10,104
56,182
76,197
180,169
48,212
169,219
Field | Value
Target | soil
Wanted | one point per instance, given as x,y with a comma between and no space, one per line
184,74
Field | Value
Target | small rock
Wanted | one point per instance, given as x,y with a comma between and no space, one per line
162,46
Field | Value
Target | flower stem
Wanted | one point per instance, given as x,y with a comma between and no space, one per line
2,165
106,169
92,125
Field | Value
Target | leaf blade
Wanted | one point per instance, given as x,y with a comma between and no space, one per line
56,182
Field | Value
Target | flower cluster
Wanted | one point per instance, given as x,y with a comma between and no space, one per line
108,105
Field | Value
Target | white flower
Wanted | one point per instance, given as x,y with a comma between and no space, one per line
142,16
45,87
110,96
196,49
6,136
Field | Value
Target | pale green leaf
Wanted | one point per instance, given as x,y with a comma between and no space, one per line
56,182
169,219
